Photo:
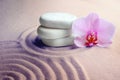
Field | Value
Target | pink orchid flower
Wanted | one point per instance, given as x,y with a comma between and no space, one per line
91,31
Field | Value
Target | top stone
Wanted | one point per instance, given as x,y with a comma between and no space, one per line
57,20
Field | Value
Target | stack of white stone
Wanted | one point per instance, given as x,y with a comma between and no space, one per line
55,29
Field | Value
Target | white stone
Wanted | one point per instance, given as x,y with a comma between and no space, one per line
49,33
59,42
57,20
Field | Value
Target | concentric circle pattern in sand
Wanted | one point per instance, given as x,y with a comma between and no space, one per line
18,64
31,43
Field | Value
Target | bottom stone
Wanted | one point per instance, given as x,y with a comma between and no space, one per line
59,42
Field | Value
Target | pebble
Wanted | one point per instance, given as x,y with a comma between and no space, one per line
66,41
57,20
49,33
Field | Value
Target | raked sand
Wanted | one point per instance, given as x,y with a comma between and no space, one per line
82,64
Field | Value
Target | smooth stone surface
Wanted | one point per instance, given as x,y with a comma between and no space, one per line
59,42
57,20
49,33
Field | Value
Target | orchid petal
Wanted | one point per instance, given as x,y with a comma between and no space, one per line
92,21
80,42
105,44
79,27
105,32
83,25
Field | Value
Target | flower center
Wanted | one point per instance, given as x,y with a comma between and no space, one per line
91,39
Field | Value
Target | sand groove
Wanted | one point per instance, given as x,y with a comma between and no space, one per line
30,66
17,64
